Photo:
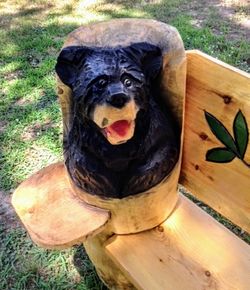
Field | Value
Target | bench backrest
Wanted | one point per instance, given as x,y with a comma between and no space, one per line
216,152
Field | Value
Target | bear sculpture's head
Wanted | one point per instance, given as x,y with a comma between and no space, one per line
110,85
120,140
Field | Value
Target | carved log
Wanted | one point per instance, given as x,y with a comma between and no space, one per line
148,209
107,270
46,202
124,32
138,212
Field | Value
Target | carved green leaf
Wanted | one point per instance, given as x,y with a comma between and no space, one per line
220,155
221,133
241,133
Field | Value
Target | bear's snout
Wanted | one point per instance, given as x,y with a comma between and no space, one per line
118,100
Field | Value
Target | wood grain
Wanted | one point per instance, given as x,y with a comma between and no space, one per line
111,274
138,212
53,217
188,251
221,90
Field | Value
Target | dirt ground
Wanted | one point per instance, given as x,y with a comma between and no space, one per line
230,16
8,217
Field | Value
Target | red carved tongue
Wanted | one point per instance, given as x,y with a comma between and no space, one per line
119,127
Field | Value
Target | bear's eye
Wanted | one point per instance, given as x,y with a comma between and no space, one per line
127,82
102,83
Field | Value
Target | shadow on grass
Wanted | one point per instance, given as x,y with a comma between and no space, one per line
214,14
28,96
86,269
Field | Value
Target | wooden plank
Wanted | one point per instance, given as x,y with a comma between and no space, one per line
188,251
53,217
220,90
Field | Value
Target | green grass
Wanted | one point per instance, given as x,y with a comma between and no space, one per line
30,118
25,266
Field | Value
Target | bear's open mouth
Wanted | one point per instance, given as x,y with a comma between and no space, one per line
119,131
116,124
120,128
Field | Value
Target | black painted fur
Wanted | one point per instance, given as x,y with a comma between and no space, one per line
143,161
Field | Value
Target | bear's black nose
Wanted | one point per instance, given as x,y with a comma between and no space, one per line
118,100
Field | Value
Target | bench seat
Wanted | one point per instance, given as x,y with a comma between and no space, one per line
189,251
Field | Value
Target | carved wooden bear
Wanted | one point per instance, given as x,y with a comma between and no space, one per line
121,141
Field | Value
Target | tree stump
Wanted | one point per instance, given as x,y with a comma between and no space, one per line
97,217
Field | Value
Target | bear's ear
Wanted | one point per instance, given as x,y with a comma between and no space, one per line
148,56
68,63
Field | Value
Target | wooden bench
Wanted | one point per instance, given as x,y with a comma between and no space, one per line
191,250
